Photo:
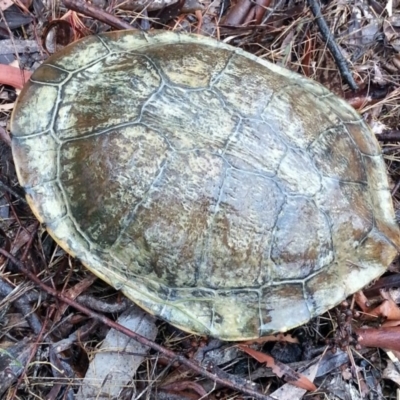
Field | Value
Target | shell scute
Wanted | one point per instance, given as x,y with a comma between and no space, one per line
32,153
299,160
298,116
348,228
186,112
335,156
242,149
194,70
49,74
81,111
302,242
279,303
102,213
47,208
237,245
247,86
41,99
79,56
366,143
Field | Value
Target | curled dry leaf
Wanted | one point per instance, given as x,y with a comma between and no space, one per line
378,127
281,370
387,338
12,361
388,309
58,34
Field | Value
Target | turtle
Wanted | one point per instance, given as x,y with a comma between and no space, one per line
220,192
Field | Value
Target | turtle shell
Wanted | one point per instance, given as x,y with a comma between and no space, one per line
222,193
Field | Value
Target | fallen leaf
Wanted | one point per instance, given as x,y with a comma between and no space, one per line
281,370
118,358
4,4
280,337
12,76
390,372
388,309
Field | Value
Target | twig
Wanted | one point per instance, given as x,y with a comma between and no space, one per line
141,339
389,136
96,13
395,189
102,306
332,46
11,191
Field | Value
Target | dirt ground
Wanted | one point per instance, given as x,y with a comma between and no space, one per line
54,337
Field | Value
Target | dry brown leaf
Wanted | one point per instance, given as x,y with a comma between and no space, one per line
281,370
388,309
290,392
280,337
237,14
390,324
73,292
185,385
12,76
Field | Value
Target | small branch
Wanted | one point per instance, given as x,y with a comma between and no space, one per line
332,46
141,339
389,136
97,13
13,192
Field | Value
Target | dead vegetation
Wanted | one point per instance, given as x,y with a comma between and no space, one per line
53,349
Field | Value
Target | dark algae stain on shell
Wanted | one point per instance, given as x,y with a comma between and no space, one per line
222,193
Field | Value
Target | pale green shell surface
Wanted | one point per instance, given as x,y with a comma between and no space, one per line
220,192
